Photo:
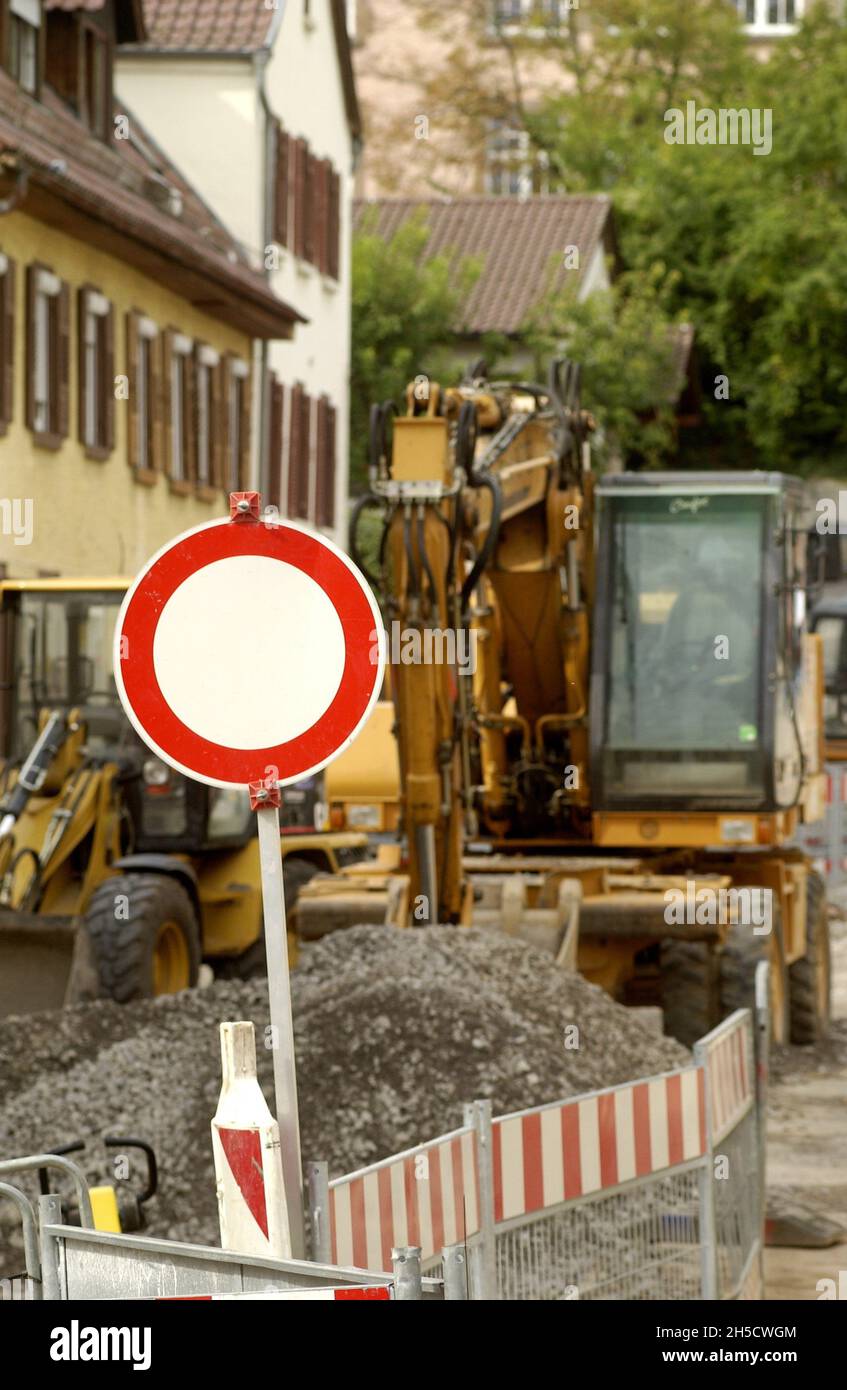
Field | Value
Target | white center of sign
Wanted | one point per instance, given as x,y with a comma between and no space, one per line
243,673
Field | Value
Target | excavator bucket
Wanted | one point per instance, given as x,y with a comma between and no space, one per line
45,963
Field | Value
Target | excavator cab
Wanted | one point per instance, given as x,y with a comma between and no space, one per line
701,660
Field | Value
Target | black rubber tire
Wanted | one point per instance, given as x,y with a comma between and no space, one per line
741,954
690,989
296,873
123,947
809,1021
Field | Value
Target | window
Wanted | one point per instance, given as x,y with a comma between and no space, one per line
512,168
7,341
47,355
770,16
529,14
96,372
307,204
25,23
310,491
178,384
78,63
142,353
237,386
94,77
207,365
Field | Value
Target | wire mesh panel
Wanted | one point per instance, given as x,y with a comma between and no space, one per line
736,1205
638,1243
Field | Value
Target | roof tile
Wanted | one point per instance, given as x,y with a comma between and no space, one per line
217,25
521,243
118,183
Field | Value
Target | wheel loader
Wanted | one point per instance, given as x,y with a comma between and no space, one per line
117,875
620,776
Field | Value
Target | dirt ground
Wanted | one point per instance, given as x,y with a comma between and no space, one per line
807,1139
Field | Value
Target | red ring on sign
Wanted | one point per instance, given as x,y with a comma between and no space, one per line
344,590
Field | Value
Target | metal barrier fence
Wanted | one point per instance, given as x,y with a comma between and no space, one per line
732,1211
825,842
650,1190
71,1262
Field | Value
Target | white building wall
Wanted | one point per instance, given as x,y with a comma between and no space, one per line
208,116
305,92
205,115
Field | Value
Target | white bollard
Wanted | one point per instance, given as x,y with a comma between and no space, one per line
248,1163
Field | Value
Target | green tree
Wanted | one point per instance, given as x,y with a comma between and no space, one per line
759,247
404,313
625,344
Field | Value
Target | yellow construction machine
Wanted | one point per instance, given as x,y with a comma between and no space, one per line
608,705
117,875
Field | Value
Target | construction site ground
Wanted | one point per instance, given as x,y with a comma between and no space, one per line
807,1139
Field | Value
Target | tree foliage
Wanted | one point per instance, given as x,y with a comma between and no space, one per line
404,309
756,246
624,342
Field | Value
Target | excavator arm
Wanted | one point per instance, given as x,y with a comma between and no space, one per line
483,583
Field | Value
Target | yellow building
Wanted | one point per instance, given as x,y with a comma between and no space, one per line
128,314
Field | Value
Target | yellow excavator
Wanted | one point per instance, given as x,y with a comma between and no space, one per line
607,705
118,876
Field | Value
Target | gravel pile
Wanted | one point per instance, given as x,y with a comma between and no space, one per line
395,1030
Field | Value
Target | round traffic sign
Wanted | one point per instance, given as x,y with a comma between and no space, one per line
248,650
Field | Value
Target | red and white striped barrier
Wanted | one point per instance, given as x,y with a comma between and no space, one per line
560,1152
248,1166
728,1055
372,1293
427,1197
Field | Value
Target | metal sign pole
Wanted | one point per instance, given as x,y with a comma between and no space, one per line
265,801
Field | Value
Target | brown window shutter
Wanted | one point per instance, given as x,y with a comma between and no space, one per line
295,449
305,454
334,224
301,156
167,403
325,499
274,469
310,237
332,420
283,158
63,360
107,395
7,366
81,371
226,430
217,427
159,407
320,457
321,217
245,386
190,417
132,355
31,274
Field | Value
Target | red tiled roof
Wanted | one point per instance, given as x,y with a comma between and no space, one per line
119,189
232,27
222,26
521,243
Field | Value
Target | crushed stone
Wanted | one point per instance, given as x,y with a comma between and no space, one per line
394,1031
